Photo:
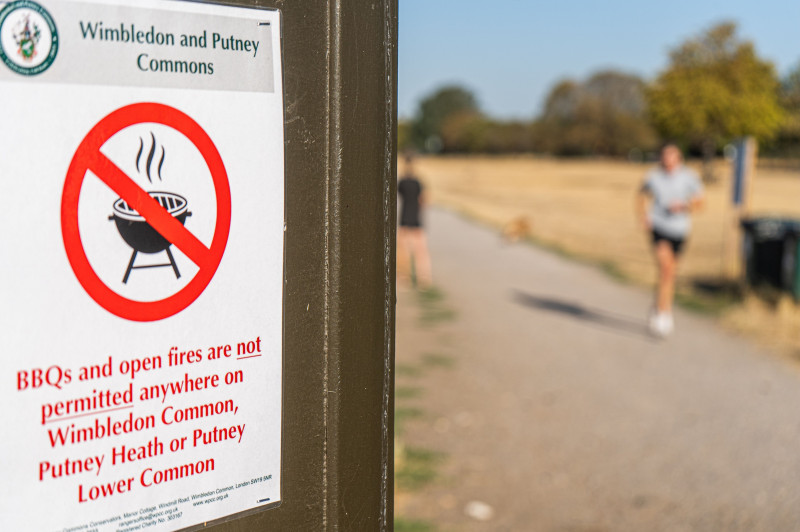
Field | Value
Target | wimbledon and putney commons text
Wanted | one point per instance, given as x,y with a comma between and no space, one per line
132,34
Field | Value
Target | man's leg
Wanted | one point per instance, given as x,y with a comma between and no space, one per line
403,255
667,267
422,258
661,322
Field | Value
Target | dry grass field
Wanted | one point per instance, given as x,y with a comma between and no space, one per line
585,208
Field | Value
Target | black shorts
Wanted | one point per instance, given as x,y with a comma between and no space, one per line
676,243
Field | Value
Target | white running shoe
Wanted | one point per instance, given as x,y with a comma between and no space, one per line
667,323
661,324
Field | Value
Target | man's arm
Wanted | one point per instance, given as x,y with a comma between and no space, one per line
695,201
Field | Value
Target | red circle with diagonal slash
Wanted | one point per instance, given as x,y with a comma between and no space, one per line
89,158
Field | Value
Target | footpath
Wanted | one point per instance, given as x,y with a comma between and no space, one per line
530,397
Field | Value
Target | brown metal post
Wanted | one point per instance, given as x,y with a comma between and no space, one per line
340,106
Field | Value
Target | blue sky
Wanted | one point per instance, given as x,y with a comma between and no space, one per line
510,52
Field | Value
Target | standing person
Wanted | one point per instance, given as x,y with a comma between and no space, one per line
411,241
673,191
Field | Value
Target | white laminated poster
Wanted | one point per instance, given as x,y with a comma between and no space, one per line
142,231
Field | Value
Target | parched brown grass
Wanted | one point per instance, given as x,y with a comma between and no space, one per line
586,208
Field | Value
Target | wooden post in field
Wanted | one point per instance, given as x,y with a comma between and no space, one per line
744,166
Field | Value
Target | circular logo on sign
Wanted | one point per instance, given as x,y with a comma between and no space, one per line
28,37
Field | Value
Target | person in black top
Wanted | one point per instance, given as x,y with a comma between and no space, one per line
412,243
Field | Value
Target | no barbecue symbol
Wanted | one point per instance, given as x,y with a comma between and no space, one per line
162,212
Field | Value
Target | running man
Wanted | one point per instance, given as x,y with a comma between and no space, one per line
411,241
672,191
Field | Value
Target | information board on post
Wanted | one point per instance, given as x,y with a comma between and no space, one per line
746,151
142,210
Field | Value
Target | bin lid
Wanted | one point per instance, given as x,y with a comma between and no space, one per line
771,226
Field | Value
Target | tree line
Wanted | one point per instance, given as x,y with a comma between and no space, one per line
715,89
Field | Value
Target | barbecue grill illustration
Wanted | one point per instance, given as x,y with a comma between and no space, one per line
141,236
136,231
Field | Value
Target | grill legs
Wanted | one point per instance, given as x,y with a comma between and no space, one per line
131,267
174,266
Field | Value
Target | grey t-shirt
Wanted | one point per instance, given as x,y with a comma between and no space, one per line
681,185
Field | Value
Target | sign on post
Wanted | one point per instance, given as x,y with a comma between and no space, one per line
142,212
743,165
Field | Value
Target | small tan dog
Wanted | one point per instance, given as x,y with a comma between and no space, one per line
517,229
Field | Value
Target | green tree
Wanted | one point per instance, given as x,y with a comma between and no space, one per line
788,142
716,88
475,133
434,111
605,115
563,100
403,135
464,132
790,90
509,137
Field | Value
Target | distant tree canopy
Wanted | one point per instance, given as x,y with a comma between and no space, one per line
788,142
435,110
790,90
404,135
715,89
470,132
606,115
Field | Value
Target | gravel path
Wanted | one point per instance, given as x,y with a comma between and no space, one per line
561,413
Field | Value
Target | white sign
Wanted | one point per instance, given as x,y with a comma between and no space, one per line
142,223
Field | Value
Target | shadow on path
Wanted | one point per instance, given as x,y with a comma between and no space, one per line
616,322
